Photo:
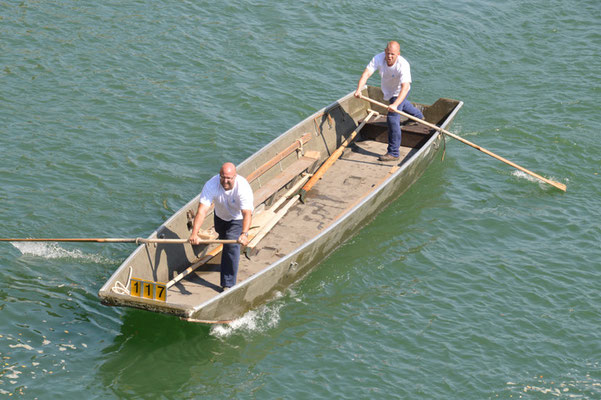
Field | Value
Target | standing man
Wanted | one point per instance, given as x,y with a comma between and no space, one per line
396,83
233,199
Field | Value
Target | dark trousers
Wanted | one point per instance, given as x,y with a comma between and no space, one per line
394,124
230,255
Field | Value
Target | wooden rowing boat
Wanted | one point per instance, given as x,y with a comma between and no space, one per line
289,237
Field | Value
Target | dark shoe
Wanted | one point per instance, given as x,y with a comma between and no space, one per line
225,288
387,157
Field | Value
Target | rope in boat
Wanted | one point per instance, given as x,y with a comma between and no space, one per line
300,149
120,288
444,146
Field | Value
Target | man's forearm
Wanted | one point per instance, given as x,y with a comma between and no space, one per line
246,220
199,218
363,80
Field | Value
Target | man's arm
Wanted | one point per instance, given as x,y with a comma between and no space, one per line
362,81
246,221
405,87
199,218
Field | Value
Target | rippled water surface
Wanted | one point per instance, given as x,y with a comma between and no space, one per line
478,283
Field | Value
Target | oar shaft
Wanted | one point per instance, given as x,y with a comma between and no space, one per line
115,240
558,185
97,240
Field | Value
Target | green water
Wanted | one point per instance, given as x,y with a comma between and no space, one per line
479,283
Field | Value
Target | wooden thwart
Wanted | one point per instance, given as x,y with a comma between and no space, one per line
279,157
294,170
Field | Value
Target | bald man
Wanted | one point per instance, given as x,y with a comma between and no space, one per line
395,84
233,199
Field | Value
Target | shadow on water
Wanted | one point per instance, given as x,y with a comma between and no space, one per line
156,354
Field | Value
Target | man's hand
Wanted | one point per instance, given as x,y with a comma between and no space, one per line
358,94
243,239
194,239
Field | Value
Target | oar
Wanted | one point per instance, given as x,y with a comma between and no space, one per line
116,240
332,159
462,140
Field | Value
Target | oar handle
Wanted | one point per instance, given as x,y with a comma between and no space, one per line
558,185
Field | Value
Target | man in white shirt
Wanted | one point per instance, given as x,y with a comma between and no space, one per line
233,199
396,83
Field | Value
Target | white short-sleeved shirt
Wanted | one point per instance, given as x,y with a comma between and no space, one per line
392,77
228,204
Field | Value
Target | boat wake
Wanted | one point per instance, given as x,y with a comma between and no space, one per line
51,250
259,320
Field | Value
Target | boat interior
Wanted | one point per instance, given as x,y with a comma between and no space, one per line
352,177
282,220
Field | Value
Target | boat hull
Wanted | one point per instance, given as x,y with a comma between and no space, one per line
263,276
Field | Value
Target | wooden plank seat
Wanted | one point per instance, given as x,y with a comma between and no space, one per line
266,191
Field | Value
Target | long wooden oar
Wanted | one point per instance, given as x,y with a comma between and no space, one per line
116,240
558,185
333,157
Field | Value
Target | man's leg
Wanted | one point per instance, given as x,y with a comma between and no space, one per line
230,255
393,120
409,108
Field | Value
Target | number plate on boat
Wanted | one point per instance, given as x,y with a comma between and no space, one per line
148,289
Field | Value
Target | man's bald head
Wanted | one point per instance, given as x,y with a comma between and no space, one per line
392,52
227,175
394,46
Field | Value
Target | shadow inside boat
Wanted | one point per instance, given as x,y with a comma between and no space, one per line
175,258
197,279
335,117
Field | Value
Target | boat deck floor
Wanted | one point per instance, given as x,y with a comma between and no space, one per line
354,175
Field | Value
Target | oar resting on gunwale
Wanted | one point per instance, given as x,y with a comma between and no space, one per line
558,185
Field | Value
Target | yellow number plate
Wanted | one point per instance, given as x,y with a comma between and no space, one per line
148,289
136,287
160,291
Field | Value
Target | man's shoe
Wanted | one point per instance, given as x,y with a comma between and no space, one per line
387,157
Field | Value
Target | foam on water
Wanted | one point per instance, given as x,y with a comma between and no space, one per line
51,250
522,175
570,387
259,320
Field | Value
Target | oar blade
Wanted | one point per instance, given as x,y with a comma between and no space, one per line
559,186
